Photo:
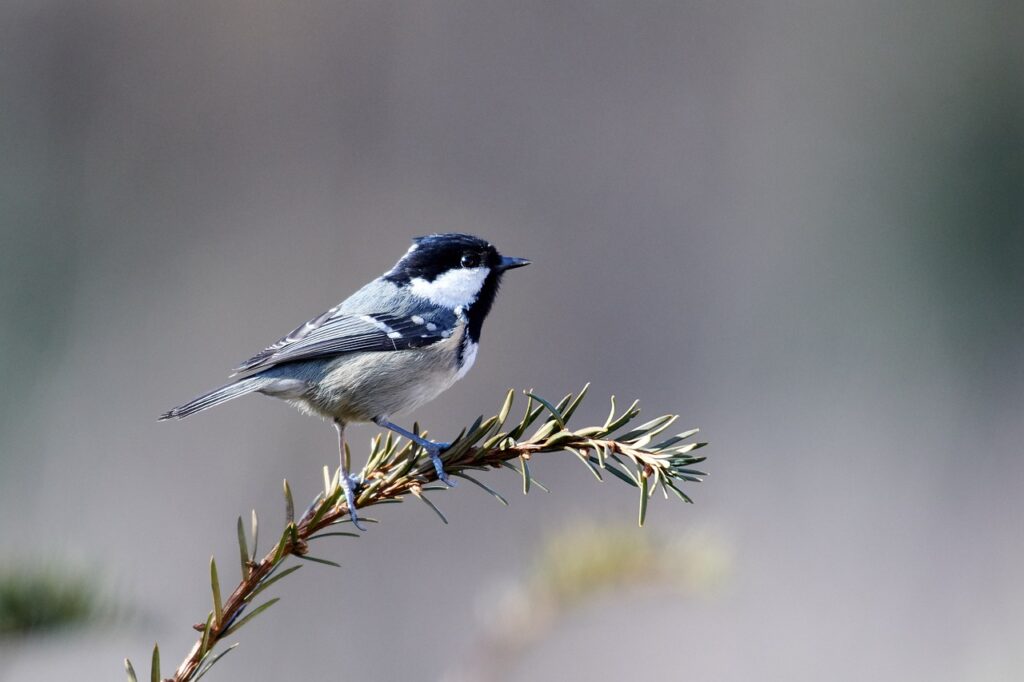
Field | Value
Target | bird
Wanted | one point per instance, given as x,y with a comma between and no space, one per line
393,345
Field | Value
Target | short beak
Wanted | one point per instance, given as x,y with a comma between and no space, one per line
509,263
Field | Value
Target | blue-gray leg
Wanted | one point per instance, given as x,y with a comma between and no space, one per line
433,449
349,483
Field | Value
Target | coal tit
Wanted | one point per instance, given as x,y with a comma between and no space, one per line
388,348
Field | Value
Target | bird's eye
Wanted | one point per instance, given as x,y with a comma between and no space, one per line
470,260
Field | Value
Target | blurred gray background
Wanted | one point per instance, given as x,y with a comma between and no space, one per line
799,224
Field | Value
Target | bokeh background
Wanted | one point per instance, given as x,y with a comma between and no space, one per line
799,224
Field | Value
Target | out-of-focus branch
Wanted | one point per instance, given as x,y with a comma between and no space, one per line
396,470
575,567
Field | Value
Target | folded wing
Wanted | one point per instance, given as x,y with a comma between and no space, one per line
335,332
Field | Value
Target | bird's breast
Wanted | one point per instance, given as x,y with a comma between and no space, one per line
363,386
467,356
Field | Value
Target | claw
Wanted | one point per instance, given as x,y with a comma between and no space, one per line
350,483
433,449
435,457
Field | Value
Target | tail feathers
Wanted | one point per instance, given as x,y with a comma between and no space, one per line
216,397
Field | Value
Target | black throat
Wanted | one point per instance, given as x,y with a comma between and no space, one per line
477,312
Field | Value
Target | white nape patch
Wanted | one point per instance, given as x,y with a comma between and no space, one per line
456,288
468,358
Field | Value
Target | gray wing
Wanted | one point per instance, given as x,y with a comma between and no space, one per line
336,332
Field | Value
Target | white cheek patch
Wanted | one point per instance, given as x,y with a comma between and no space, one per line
452,289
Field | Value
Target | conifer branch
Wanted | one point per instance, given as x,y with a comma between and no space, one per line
397,469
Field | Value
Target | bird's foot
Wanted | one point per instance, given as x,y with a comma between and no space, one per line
350,484
435,451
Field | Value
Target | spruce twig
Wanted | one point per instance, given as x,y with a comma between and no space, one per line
395,470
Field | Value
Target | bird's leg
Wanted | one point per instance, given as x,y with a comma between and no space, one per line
349,483
433,449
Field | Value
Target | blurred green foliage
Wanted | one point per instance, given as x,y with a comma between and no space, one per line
34,601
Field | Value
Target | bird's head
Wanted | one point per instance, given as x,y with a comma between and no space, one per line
457,271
